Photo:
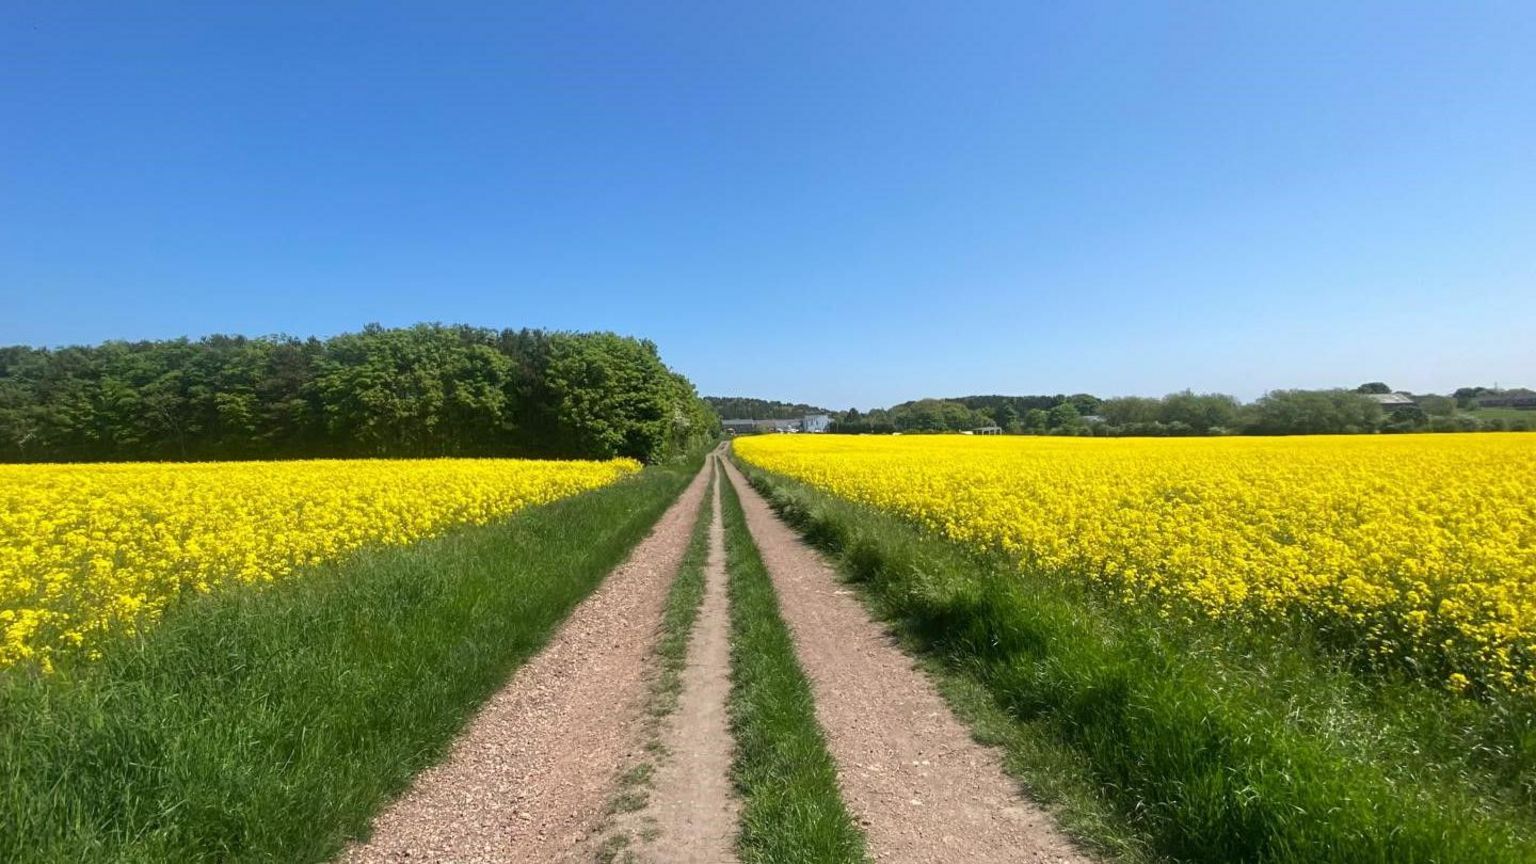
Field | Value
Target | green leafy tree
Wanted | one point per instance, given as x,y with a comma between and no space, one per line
1084,403
1438,406
420,391
743,408
613,395
1036,421
389,390
1007,417
936,415
1126,410
1313,412
1200,413
1466,397
1065,418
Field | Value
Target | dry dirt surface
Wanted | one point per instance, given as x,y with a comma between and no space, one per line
921,788
529,778
694,805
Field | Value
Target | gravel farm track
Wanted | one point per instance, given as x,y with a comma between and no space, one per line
692,807
532,775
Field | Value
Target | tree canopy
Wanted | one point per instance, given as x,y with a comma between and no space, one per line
1279,412
1313,412
427,390
746,408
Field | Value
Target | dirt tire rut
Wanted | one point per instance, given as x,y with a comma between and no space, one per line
692,806
922,789
530,777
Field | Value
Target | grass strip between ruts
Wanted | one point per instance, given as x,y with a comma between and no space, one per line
682,609
792,810
270,724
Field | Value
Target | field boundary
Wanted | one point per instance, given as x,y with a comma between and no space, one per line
272,723
530,776
792,808
1144,751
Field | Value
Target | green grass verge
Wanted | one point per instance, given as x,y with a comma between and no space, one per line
791,808
682,609
270,724
683,601
1154,738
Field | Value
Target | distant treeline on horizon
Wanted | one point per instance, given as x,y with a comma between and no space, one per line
1372,407
427,390
746,408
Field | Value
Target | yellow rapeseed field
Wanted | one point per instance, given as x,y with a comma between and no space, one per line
89,550
1422,547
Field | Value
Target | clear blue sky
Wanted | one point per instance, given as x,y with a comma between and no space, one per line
842,203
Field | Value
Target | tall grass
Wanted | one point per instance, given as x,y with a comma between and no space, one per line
1202,744
792,810
270,724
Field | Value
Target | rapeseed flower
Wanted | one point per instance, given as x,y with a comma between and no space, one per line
91,550
1418,549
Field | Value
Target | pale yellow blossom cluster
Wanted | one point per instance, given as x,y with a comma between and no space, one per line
91,550
1419,548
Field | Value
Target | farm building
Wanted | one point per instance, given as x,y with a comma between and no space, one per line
1390,401
808,423
988,430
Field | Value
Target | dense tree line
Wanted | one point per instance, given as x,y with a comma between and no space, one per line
745,408
1279,412
428,390
1012,413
